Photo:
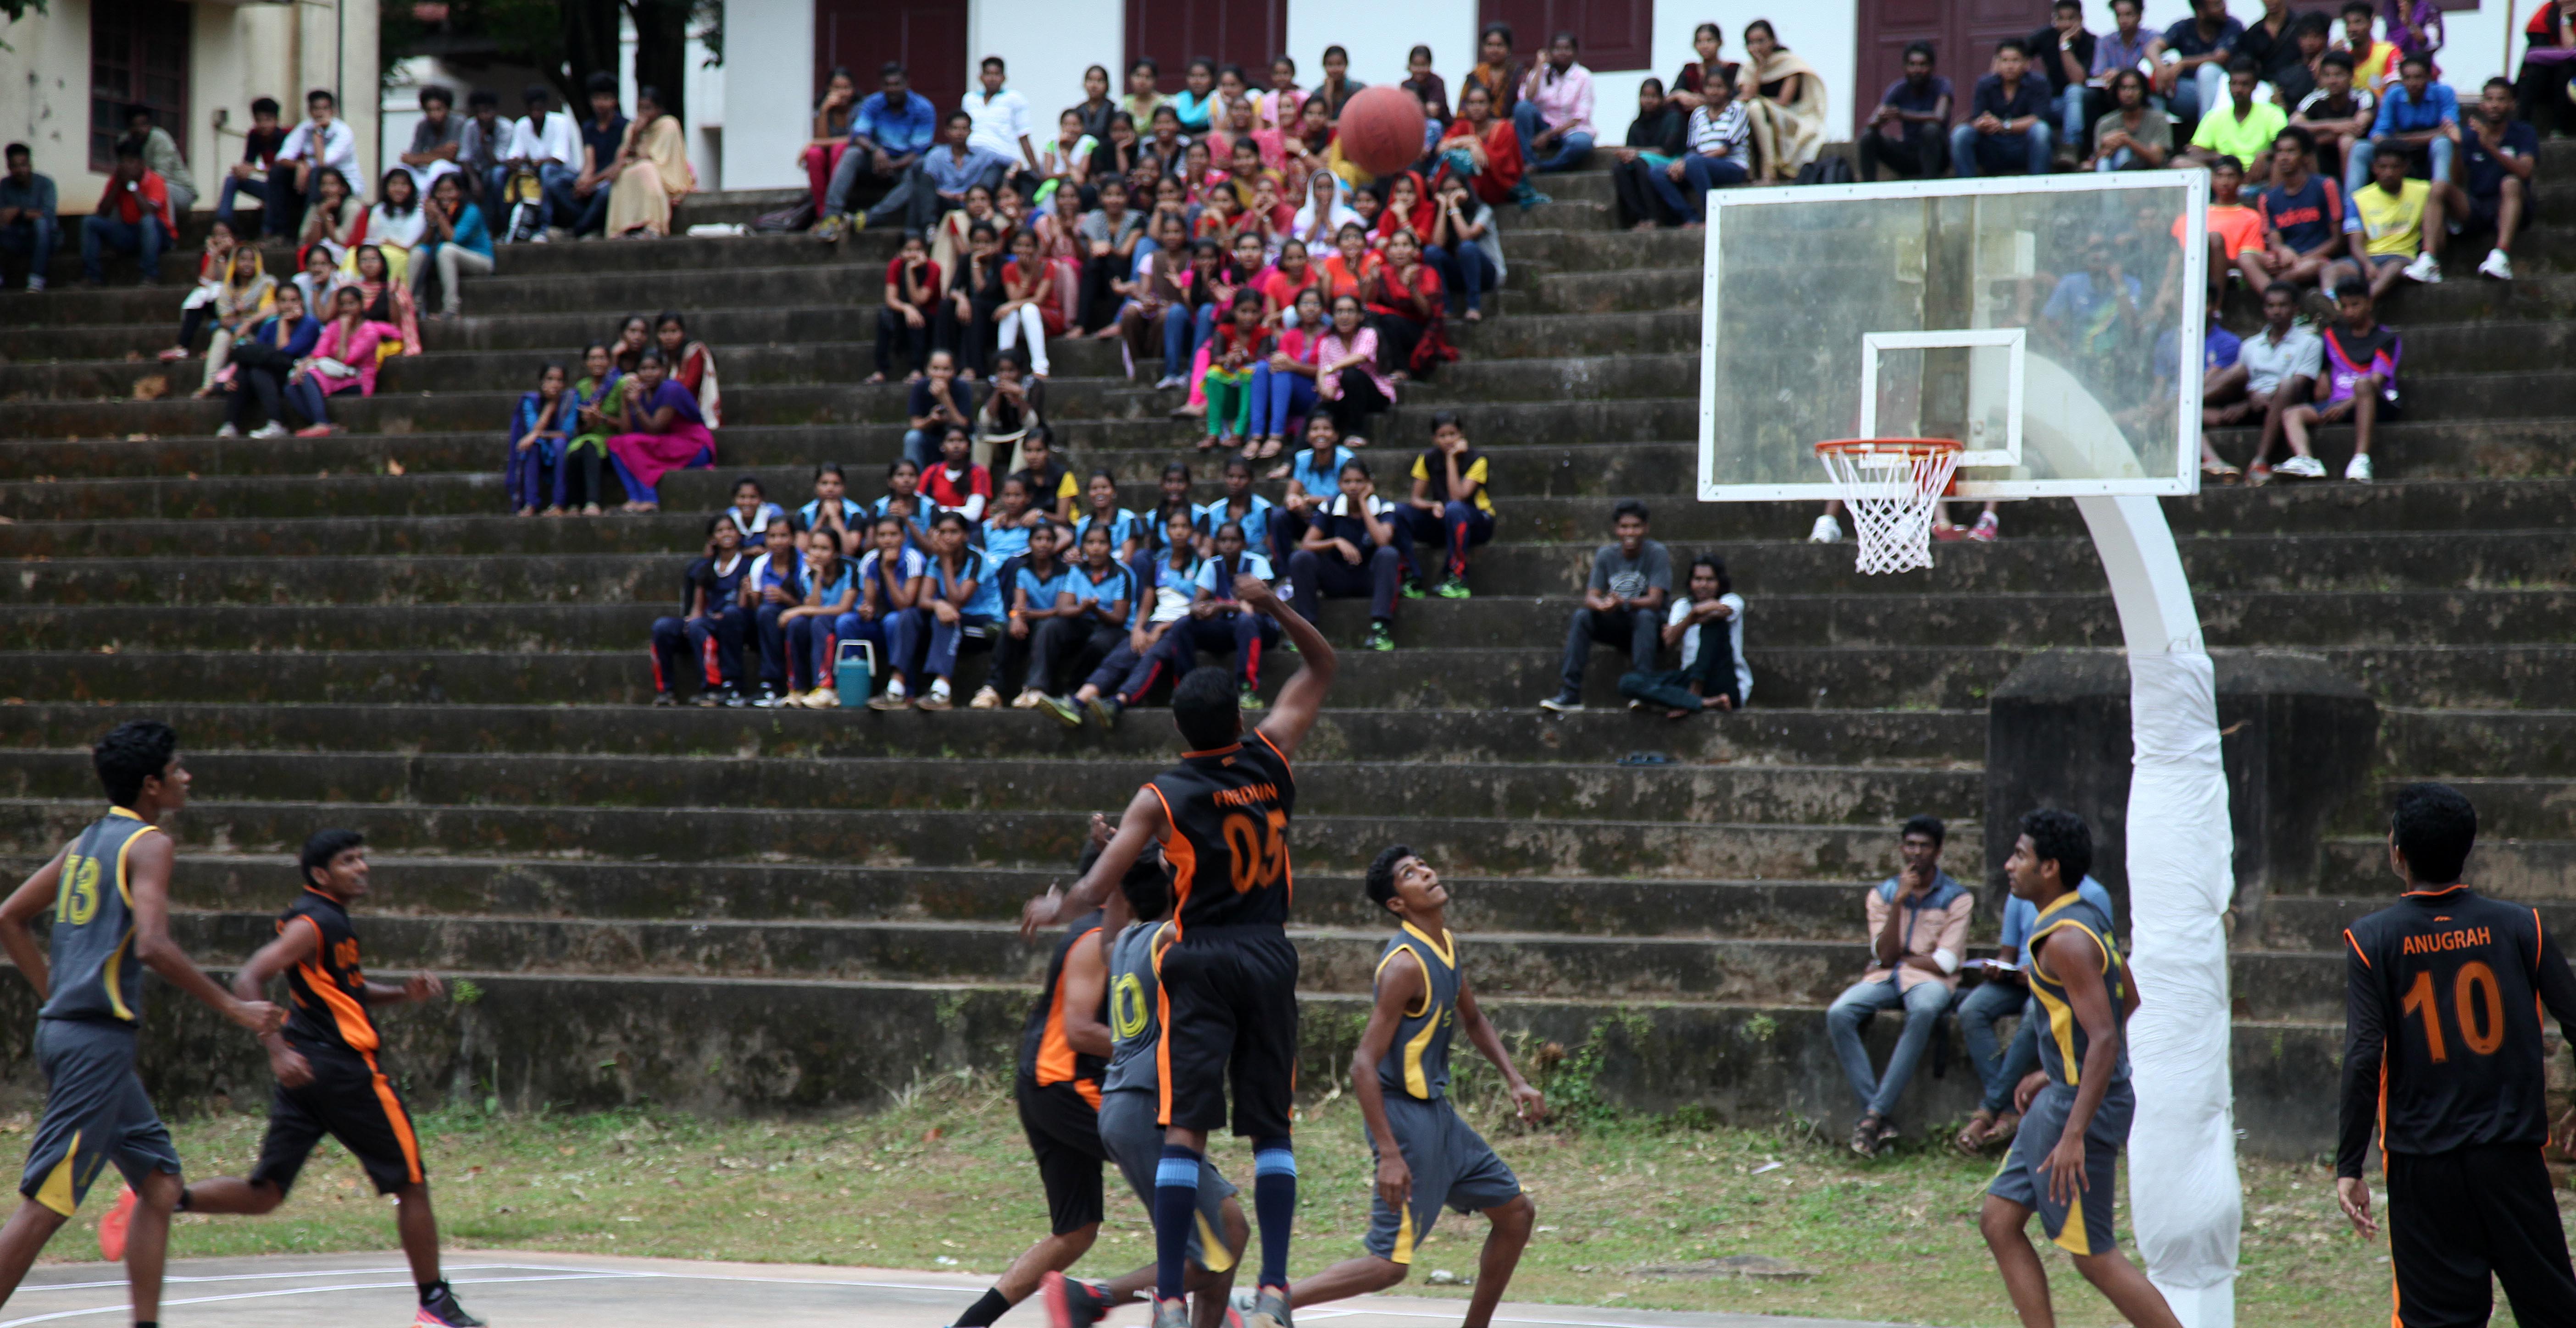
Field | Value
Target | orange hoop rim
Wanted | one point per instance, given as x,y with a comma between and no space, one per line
1904,446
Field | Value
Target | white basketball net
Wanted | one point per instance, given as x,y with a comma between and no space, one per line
1890,489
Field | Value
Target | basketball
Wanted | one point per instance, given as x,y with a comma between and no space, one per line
1381,129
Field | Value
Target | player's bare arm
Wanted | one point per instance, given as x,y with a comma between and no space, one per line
2074,961
147,863
300,941
1527,1100
1302,699
1142,823
2365,1048
1084,981
18,922
1401,985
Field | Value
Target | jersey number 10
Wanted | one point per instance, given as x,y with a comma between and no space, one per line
1259,849
2476,983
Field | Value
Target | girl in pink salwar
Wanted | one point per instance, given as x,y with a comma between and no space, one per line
663,432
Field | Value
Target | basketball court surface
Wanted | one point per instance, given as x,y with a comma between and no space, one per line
581,1291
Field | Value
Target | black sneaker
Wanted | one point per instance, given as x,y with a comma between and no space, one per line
1107,709
665,699
731,698
1563,703
768,698
439,1310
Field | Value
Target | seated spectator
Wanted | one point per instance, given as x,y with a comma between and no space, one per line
2541,85
2231,230
2338,116
894,138
831,509
1096,108
133,217
1623,604
2302,216
752,511
1004,536
537,432
343,359
834,121
1030,309
965,605
2300,79
547,144
2133,136
2498,157
1787,108
1450,507
484,146
1241,343
1314,477
827,589
704,644
1157,314
1283,382
1013,404
963,321
2007,129
2194,79
2394,227
386,300
456,243
2272,43
1716,145
1143,91
30,225
596,400
957,484
1051,487
1039,590
891,578
395,226
902,500
437,140
1554,116
2374,62
261,362
279,209
912,292
1192,105
2061,55
334,222
161,156
2125,46
1194,609
1109,603
1354,544
1166,581
1909,133
1175,501
2241,127
2276,369
1319,221
1241,506
323,141
769,589
1279,105
1108,236
2419,124
1713,674
2006,992
320,276
1918,935
634,337
1463,248
1290,274
1483,147
1654,141
1408,208
602,135
1129,533
214,267
653,172
661,431
2360,385
242,302
1368,205
1496,71
1409,310
1347,376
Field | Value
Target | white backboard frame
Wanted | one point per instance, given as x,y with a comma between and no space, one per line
2014,341
2182,481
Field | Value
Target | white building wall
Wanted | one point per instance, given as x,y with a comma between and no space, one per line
1045,45
1378,34
772,45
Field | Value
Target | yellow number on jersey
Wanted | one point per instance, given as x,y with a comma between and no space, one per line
76,899
1126,1006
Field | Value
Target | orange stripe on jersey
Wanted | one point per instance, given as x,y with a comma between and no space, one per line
394,1112
1055,1051
1163,1040
1089,1090
345,1010
2348,940
1274,751
308,921
1179,856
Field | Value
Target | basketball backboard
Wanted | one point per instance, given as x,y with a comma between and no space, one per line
2051,325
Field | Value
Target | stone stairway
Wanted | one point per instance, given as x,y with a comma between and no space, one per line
764,910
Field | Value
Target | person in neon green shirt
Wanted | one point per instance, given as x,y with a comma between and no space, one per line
2394,227
2243,129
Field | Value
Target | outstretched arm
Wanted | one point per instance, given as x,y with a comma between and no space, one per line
1303,698
1144,822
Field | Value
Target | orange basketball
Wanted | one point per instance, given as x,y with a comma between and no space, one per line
1381,129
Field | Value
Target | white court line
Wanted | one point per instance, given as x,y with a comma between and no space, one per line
122,1308
255,1277
553,1273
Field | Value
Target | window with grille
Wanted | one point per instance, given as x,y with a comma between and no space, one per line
138,56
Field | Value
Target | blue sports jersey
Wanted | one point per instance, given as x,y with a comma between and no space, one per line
1255,520
1119,583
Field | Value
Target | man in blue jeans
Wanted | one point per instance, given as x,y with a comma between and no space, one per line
2007,128
1715,152
2005,992
27,214
133,217
1918,933
1623,604
2418,116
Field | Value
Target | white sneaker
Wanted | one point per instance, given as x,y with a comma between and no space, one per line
2301,467
2358,469
2497,266
1169,381
1827,531
272,429
35,281
2426,269
1287,592
228,431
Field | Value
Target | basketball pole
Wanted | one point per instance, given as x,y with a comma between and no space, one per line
2184,1196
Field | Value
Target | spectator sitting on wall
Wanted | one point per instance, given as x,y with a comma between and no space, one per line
2498,158
893,138
133,216
2061,55
280,208
2007,129
2360,385
1623,603
1554,116
2133,136
2337,115
2276,369
1654,141
30,224
2302,215
1708,629
1001,117
161,156
1909,133
1918,936
2243,127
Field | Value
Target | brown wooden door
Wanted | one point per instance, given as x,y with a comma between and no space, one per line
138,56
1963,34
1608,34
928,36
1230,32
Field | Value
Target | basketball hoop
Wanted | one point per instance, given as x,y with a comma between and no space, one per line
1890,486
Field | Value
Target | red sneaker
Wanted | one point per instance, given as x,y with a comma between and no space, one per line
111,1228
1071,1303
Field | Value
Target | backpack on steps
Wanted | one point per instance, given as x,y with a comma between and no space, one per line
1827,170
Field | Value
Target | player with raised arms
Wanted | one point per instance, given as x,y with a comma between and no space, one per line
1229,979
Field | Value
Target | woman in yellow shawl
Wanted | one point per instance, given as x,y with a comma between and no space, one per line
652,170
1784,101
247,296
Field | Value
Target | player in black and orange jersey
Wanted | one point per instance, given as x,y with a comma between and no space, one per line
109,892
2442,1008
1229,992
328,1079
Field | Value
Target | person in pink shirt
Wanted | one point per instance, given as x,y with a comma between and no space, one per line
1554,115
343,358
1347,376
1918,940
1283,385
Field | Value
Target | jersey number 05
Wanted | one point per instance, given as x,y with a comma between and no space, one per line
1259,849
2477,1006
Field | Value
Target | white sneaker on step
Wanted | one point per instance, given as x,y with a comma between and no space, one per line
2358,469
1826,531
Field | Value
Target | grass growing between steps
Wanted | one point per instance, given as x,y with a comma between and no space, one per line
946,1177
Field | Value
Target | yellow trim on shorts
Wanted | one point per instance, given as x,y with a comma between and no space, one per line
2071,1235
1213,1254
56,1192
1403,1252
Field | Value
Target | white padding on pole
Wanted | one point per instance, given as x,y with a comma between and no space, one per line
2183,1189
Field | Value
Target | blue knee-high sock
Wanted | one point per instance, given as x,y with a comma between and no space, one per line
1274,1204
1176,1206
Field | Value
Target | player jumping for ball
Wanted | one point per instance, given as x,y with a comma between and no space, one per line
2075,1108
110,895
1426,1156
1229,989
2442,1052
328,1081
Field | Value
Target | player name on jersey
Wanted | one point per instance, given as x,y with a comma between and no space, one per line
2460,939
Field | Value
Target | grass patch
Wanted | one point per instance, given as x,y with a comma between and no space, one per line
946,1177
